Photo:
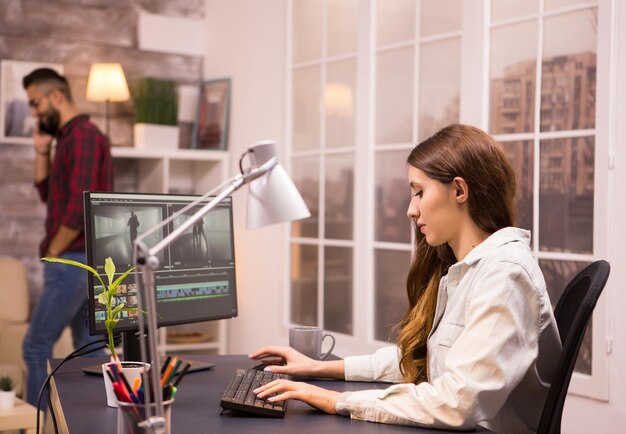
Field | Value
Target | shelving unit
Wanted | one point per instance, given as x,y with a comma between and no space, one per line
180,171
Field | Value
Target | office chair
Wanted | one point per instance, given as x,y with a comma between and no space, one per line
572,313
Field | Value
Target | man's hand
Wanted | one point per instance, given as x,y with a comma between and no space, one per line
43,142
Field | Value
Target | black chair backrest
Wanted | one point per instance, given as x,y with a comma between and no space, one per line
572,313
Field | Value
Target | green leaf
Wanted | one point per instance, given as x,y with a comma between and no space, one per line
115,284
109,269
118,309
110,324
75,264
112,292
102,298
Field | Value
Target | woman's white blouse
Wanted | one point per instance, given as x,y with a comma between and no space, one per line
492,351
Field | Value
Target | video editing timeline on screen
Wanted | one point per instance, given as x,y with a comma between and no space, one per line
196,280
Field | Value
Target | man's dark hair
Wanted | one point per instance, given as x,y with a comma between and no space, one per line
47,76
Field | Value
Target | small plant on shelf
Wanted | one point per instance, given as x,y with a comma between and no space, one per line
6,383
155,101
107,295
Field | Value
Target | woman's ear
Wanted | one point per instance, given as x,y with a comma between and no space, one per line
461,189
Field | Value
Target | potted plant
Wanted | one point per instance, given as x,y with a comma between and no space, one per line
7,392
132,370
106,296
156,113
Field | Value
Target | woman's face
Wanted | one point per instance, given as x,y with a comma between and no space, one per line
434,207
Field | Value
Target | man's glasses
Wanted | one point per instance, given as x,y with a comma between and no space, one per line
34,103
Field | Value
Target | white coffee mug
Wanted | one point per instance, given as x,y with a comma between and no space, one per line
308,340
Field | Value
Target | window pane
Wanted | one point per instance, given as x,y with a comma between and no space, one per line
520,155
554,4
342,26
568,78
558,274
440,16
307,30
304,263
339,196
566,195
306,108
338,289
339,100
394,96
392,196
513,62
390,303
305,173
395,21
440,85
503,9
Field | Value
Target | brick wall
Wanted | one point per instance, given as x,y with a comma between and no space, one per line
77,33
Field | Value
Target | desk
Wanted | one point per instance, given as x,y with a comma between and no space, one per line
80,403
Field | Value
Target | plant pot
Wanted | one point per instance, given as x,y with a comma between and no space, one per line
152,136
7,399
132,370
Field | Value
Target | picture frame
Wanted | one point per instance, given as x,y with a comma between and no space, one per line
210,129
16,122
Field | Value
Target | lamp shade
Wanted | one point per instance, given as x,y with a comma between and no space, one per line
274,198
107,83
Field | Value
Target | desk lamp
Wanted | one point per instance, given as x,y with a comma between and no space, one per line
272,198
107,83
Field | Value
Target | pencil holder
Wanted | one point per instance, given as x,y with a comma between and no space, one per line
130,417
132,370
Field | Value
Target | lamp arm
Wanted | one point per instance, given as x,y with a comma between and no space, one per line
204,197
153,251
235,184
146,261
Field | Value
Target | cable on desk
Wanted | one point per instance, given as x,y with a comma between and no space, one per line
46,385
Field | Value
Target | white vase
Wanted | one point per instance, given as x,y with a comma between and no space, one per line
7,399
132,370
152,136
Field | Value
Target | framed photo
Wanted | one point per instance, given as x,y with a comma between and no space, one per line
16,123
210,130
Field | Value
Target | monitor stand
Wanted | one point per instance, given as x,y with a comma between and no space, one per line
132,352
131,349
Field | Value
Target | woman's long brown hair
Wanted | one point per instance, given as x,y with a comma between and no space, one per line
467,152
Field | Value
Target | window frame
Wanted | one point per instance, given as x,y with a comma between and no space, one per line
474,109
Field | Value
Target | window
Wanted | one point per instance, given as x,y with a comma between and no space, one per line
417,85
323,101
552,143
370,78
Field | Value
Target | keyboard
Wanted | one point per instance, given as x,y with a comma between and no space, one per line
239,394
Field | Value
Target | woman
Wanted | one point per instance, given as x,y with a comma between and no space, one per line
478,344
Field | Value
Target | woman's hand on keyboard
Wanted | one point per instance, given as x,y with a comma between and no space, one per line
323,399
285,360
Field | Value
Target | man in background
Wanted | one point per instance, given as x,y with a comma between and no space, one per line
81,161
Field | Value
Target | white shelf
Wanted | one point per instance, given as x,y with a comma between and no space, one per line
174,154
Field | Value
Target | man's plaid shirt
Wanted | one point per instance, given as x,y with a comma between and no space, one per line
82,162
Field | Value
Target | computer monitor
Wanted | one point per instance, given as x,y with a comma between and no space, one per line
196,278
